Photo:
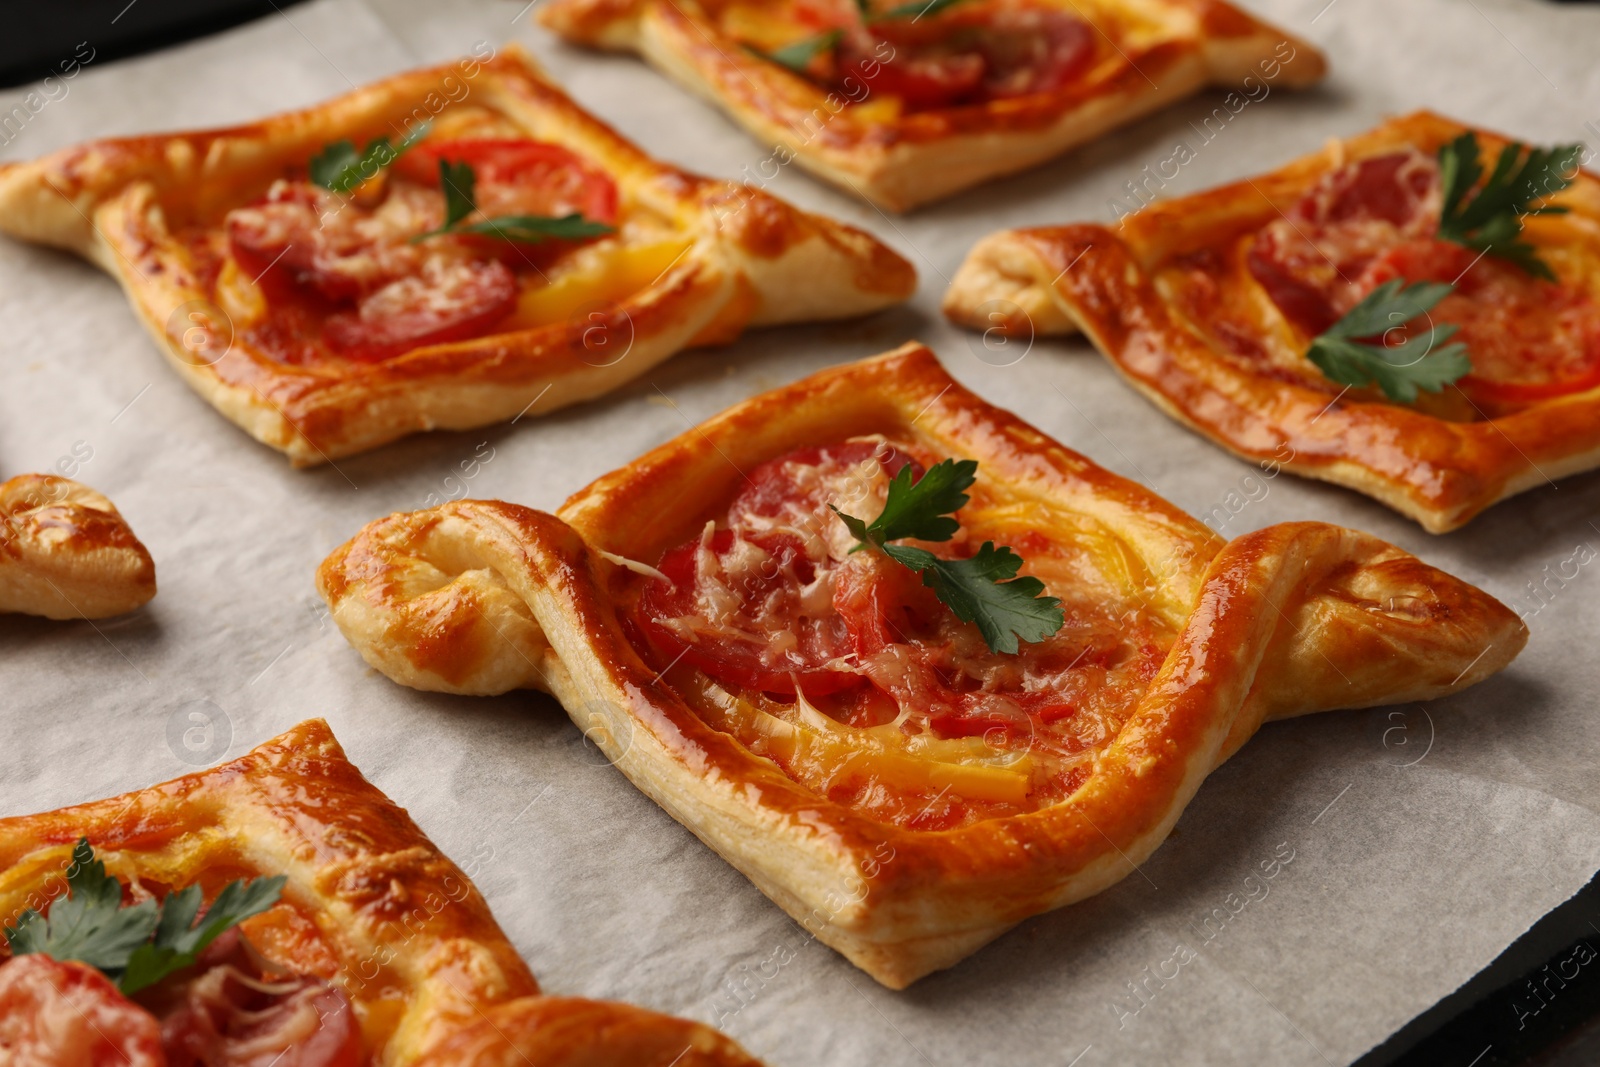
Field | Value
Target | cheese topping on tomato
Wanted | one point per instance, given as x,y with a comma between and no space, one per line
310,275
848,672
972,54
1374,220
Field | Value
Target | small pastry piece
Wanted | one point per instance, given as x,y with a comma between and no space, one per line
821,716
447,248
360,945
1232,311
907,103
65,552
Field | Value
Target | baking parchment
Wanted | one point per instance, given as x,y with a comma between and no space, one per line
1335,878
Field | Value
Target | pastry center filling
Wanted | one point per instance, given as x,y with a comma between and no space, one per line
309,275
848,672
1377,220
973,52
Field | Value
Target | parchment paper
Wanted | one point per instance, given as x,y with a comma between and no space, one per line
1406,847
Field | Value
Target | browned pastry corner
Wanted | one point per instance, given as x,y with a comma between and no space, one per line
318,322
913,795
389,939
65,552
1208,303
905,111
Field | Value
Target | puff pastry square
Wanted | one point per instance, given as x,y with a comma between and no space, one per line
908,832
1196,303
370,906
67,553
885,119
271,338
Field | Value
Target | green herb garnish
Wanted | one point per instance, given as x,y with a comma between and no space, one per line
983,589
1490,219
91,925
1399,370
341,168
459,183
798,56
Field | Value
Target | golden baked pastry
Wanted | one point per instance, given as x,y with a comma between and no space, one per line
327,303
66,553
834,732
378,950
909,103
1208,305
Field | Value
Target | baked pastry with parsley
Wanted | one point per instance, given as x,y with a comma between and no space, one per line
905,103
913,667
280,910
1413,313
443,249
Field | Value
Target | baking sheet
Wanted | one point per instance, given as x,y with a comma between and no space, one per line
1406,847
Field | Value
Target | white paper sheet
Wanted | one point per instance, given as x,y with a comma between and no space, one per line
1423,839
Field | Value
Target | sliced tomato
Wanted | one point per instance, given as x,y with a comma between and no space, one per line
921,82
1034,49
1528,339
450,300
740,648
55,1014
969,56
306,237
751,622
521,177
1309,260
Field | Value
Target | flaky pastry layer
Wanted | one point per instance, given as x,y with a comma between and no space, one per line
66,552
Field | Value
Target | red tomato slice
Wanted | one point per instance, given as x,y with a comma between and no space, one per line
741,652
451,300
1308,261
1528,339
769,635
521,177
919,82
1034,50
55,1014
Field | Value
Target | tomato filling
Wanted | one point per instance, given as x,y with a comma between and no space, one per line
233,1008
768,603
972,54
1375,220
343,276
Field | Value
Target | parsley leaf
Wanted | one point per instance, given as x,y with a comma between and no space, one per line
916,9
798,56
919,509
983,589
1421,361
530,229
179,942
91,925
977,591
341,168
460,185
1490,219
